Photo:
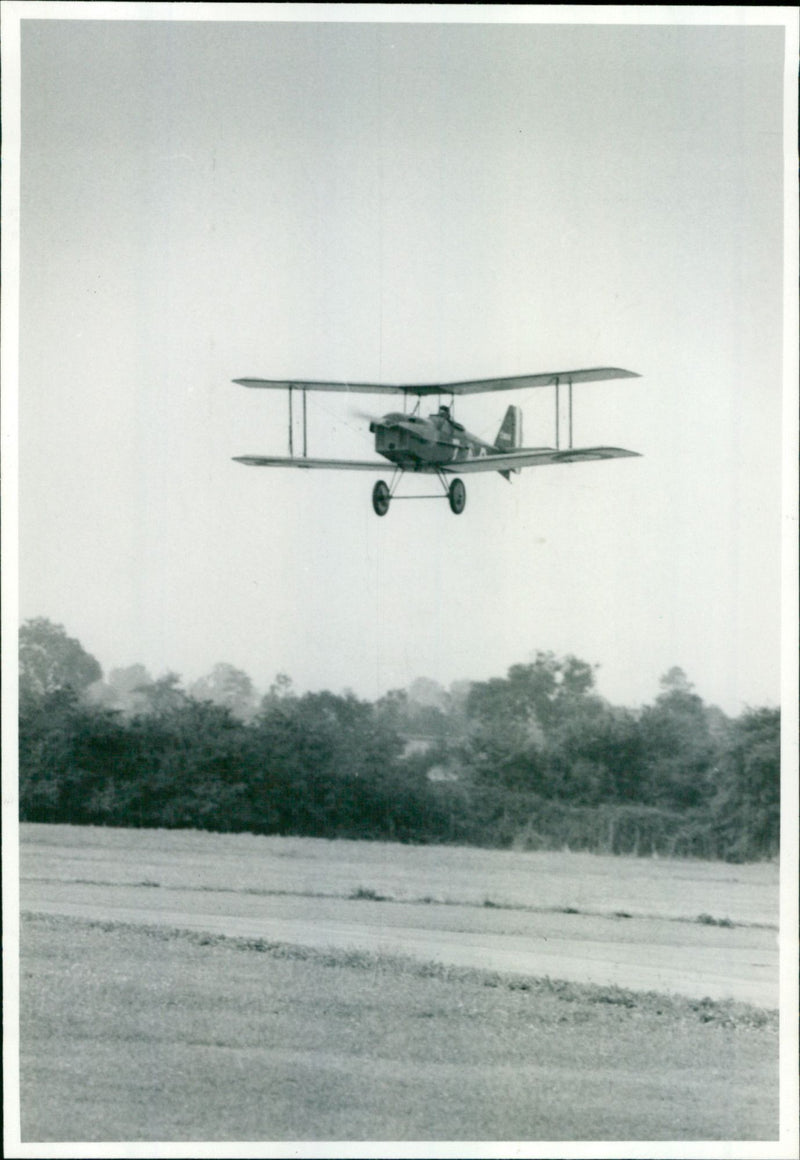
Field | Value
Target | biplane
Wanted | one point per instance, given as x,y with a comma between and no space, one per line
437,444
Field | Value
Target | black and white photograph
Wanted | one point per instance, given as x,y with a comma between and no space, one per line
367,792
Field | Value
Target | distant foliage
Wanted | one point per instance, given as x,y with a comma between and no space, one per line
535,760
50,660
746,807
229,687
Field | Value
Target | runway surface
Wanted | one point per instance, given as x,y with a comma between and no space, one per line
637,952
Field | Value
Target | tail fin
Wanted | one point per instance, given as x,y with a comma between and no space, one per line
509,437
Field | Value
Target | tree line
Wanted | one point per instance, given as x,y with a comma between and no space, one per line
536,759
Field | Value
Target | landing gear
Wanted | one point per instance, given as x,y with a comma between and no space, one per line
457,496
380,498
383,494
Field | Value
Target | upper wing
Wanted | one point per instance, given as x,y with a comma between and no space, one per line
535,457
310,385
304,461
519,382
471,387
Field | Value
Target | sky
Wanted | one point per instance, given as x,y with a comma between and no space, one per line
402,202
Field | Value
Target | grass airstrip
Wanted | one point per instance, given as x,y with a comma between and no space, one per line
150,1032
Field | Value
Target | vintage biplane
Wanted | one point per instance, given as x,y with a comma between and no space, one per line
438,445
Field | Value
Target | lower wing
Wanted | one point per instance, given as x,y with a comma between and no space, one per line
502,461
536,457
305,461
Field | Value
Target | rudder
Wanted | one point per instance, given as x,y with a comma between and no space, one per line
509,437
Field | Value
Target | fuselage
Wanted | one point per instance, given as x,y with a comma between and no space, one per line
418,444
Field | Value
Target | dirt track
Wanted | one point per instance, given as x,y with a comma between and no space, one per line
637,952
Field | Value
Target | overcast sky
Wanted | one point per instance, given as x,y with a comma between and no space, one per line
400,202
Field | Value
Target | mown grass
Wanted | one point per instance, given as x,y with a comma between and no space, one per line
747,895
369,894
133,1033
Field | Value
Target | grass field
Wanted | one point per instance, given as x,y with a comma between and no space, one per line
150,1030
137,1033
589,883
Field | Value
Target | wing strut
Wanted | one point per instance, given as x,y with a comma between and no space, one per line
558,410
291,423
305,439
570,413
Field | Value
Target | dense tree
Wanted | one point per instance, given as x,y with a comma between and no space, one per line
122,689
127,681
280,692
747,805
66,749
50,660
537,758
189,763
517,724
677,745
421,712
164,695
582,752
540,691
394,711
228,687
338,754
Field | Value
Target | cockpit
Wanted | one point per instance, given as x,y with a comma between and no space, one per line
443,414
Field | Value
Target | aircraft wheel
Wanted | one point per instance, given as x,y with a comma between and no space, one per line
457,495
380,498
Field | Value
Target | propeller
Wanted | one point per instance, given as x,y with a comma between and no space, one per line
365,415
376,419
